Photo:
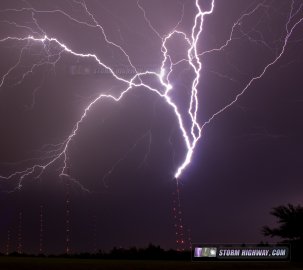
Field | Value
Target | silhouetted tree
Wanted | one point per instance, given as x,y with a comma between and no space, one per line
290,219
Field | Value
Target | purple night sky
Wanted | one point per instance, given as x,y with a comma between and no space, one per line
121,163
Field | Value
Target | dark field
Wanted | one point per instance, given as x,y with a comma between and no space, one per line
80,264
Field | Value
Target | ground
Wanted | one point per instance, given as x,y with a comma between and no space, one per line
80,264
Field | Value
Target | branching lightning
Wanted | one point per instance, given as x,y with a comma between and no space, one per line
191,136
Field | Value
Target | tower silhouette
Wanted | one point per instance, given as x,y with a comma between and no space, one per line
20,227
67,219
8,242
41,236
177,213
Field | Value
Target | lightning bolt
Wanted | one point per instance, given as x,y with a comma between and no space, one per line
53,48
145,135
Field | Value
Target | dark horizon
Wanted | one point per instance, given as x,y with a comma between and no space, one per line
121,165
